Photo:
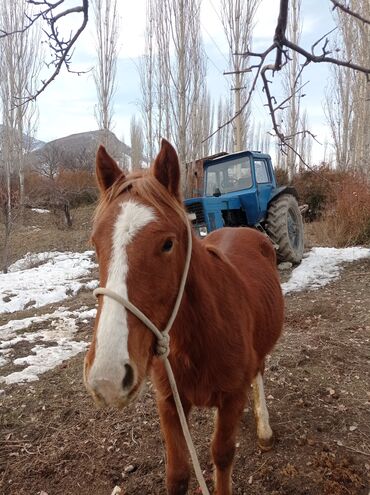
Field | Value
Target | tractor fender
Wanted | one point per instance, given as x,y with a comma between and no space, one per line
283,190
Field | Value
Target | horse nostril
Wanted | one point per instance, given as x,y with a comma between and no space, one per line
128,379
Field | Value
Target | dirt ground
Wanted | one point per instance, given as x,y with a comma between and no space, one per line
53,440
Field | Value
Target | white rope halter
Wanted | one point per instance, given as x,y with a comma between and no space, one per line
163,350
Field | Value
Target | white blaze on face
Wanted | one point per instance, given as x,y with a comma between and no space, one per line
111,352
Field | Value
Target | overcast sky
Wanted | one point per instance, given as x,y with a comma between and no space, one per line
67,106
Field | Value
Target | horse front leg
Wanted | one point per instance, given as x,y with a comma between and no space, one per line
223,444
177,469
264,432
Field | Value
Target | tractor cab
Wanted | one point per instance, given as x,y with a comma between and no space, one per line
236,191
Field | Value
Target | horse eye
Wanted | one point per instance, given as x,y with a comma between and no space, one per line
167,246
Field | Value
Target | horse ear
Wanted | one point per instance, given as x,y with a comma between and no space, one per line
166,169
107,170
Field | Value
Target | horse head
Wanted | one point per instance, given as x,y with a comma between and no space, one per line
140,238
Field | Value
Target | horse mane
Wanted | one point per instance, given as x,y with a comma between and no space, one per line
144,185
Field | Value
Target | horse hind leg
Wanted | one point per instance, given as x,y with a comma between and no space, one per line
264,432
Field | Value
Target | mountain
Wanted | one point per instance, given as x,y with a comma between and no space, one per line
31,143
89,141
80,149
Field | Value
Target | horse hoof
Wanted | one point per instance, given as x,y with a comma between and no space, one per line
266,444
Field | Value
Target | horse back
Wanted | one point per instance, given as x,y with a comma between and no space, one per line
236,242
254,260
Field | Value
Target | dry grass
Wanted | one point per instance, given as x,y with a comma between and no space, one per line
317,189
346,222
41,232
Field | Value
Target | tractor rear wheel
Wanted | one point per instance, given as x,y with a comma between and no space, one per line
284,225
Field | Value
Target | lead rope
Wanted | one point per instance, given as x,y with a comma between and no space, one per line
163,350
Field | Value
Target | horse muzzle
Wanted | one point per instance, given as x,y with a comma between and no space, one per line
112,387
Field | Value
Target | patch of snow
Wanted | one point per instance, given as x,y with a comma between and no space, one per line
321,266
43,359
30,260
43,278
56,277
40,210
88,313
93,284
61,327
36,280
3,358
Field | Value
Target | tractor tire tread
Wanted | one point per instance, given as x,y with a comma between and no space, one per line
277,228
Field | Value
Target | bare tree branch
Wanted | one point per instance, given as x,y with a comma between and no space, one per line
282,45
252,88
324,58
60,47
280,106
348,11
32,20
322,37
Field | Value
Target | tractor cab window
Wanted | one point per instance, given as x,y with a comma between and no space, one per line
228,176
262,175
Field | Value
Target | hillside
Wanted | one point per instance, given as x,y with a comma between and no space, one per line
81,148
31,142
89,141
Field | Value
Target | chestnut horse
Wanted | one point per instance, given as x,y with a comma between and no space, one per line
230,317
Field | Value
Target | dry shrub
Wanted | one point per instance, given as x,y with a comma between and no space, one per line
60,192
79,186
282,177
346,221
317,189
35,185
75,180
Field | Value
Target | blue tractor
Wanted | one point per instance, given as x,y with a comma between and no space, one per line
240,189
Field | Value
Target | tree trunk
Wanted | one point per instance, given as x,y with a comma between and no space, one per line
67,214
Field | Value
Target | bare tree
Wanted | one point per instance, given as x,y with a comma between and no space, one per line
48,161
281,47
178,89
361,128
304,143
124,161
339,113
147,67
237,20
204,124
292,84
162,77
61,48
8,204
259,137
137,144
223,141
106,22
348,107
19,68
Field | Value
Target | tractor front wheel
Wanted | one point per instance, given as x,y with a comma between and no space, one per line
285,228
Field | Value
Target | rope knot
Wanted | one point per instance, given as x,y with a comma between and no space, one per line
163,346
